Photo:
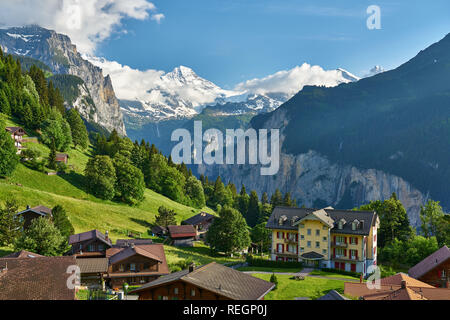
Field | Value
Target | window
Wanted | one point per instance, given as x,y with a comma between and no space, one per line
317,244
339,252
292,248
121,268
324,251
340,239
324,239
301,225
302,249
324,228
101,247
302,237
91,248
309,244
309,232
175,291
279,236
292,236
317,232
353,226
192,292
280,248
353,240
132,267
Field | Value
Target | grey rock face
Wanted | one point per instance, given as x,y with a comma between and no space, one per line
58,52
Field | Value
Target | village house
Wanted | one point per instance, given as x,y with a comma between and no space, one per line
209,282
182,236
434,269
325,238
92,272
159,231
201,222
29,214
397,287
17,134
124,243
135,265
89,244
62,158
39,278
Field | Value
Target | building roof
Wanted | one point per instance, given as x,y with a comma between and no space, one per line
15,129
42,278
123,243
40,210
333,295
151,251
23,254
286,218
159,229
93,265
397,287
199,218
430,262
218,279
184,231
89,235
312,256
321,215
62,155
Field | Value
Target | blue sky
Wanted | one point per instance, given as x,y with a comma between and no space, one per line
229,41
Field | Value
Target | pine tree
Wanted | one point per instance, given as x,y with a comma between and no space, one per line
10,224
51,162
265,198
253,212
277,199
80,136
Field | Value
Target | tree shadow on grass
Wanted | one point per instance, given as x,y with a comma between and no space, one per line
75,179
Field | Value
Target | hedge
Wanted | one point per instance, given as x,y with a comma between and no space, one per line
343,272
258,262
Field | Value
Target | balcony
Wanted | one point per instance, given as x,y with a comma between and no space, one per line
345,258
339,244
290,241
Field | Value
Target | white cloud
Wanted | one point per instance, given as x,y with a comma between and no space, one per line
158,17
86,22
292,81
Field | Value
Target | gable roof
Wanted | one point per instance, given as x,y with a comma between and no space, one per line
89,235
159,229
320,215
13,130
292,215
219,279
23,254
40,210
430,262
199,218
151,251
42,278
184,231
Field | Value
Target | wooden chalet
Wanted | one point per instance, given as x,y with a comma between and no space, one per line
17,134
201,222
135,265
89,244
434,269
182,236
29,214
209,282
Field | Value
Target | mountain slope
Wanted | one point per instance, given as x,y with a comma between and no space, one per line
397,121
58,52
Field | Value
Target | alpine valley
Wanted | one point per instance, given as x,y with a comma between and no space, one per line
345,141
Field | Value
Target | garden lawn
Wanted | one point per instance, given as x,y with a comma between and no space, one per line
312,288
332,275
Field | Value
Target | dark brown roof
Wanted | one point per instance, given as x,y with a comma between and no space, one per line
15,129
93,265
90,235
184,231
430,262
23,254
151,251
199,218
40,210
219,279
292,215
159,229
123,243
36,279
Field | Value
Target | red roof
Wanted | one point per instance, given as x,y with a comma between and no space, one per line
430,262
185,231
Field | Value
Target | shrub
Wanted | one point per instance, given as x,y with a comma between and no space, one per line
274,280
258,262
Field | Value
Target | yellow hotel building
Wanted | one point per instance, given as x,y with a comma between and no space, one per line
325,238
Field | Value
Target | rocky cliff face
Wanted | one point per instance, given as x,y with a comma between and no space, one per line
316,182
58,52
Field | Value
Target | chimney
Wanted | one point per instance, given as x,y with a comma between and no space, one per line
132,245
28,207
403,284
107,235
192,268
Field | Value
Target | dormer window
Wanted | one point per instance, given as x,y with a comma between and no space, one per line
341,224
282,220
355,225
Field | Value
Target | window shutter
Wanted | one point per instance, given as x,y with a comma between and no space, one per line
345,252
356,240
334,239
296,249
283,235
356,254
334,252
296,237
282,248
345,240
